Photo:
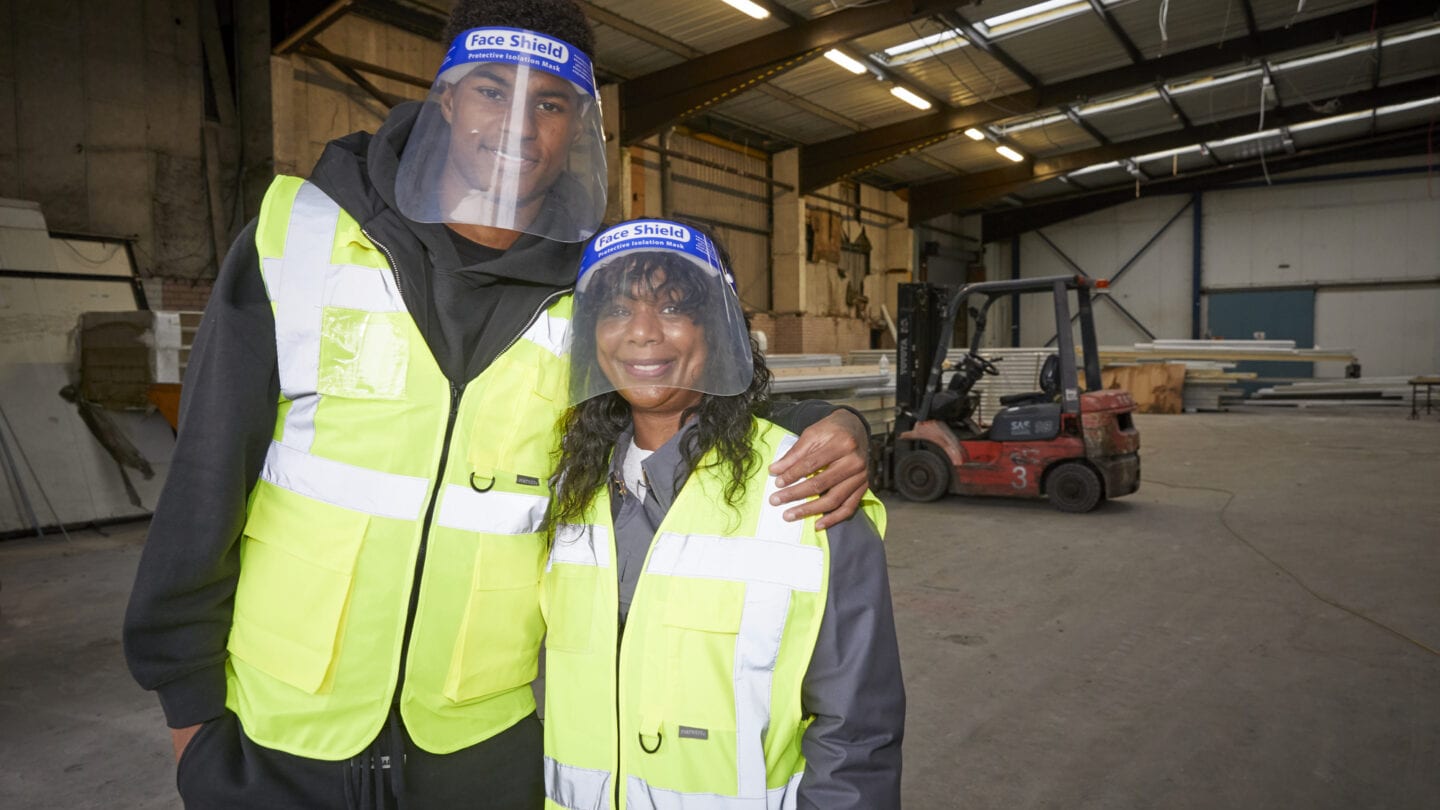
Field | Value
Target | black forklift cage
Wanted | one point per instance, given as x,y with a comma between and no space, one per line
1059,286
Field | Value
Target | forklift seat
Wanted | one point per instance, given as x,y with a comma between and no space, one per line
1049,386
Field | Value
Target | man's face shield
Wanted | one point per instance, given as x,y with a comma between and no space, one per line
510,137
655,314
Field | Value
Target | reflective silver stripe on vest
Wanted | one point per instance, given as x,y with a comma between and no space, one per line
345,485
309,237
641,796
550,333
579,544
740,559
576,788
772,523
772,565
302,283
491,512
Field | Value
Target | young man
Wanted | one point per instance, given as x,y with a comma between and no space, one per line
338,601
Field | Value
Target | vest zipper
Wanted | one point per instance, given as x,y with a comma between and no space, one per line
390,258
456,391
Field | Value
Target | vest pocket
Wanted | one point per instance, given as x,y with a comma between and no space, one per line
570,607
297,563
363,355
498,645
702,625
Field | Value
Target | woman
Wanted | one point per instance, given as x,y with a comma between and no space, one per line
701,651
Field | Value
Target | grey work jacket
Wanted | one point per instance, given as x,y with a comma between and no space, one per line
853,685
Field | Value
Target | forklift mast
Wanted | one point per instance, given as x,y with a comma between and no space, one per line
918,332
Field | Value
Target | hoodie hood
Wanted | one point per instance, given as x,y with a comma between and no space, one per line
469,310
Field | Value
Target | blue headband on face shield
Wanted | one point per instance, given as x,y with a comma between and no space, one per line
515,46
650,235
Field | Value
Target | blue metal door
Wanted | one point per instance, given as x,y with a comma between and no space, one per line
1267,315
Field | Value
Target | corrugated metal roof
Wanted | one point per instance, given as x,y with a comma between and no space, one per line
910,170
1166,166
1048,188
1073,46
627,56
1315,83
1187,25
1218,102
859,98
706,26
1273,13
1053,138
962,76
1136,121
1415,115
1346,129
967,155
768,114
1412,59
1069,48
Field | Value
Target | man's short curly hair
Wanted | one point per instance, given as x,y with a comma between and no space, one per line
557,18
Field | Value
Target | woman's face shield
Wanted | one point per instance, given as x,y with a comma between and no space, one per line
510,138
655,315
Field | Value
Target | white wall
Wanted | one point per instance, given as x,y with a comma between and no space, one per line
1369,230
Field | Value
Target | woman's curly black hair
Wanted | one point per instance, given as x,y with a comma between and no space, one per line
561,19
589,430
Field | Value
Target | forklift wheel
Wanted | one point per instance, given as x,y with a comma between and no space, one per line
1074,487
922,475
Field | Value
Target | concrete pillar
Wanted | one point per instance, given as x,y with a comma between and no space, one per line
618,190
787,244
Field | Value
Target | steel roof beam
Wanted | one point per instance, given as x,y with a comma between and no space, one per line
1174,108
652,101
1117,32
640,32
1079,120
824,163
965,193
1001,225
979,40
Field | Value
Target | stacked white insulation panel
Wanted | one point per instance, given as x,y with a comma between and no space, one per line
1392,391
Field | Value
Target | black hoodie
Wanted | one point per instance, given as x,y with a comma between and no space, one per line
469,302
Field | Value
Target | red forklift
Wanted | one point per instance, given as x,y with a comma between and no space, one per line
1075,447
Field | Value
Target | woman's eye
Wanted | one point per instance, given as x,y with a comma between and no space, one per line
671,309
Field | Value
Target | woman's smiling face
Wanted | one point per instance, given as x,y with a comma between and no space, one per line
650,347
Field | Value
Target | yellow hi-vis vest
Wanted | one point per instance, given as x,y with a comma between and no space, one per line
373,449
702,710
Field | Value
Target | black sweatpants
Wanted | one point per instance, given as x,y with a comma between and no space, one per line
223,769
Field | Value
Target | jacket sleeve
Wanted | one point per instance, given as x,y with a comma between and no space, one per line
796,416
853,686
178,620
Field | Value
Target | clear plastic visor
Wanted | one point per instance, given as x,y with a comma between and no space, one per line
508,146
648,323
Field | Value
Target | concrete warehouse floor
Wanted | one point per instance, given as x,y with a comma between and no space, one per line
1257,627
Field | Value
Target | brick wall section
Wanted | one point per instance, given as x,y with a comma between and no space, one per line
183,296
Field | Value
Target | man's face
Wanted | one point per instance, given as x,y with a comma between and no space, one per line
511,130
651,351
